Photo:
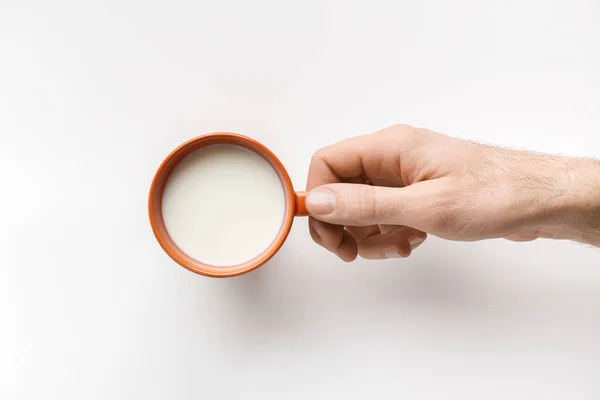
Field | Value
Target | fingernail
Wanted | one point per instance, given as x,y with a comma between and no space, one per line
392,253
320,201
415,241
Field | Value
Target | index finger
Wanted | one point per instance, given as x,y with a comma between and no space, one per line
338,162
372,159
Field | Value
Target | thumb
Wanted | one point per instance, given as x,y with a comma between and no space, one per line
362,205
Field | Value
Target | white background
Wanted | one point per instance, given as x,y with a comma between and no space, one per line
93,95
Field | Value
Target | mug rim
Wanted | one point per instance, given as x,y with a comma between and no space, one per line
155,204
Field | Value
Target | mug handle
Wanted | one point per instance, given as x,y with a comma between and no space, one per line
300,204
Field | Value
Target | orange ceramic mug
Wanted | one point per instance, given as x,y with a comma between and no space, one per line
294,204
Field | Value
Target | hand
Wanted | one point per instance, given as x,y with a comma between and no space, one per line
379,195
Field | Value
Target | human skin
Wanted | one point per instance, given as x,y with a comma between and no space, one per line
379,195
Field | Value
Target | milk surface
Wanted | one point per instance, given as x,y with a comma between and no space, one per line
223,204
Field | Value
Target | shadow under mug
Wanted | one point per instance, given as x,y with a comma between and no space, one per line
294,204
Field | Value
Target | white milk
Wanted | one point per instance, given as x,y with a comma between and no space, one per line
223,204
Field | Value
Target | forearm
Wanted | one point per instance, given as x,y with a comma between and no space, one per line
573,212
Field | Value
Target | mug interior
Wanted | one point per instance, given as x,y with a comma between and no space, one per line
155,204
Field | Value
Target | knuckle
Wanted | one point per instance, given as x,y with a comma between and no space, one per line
408,134
403,128
400,127
367,207
317,157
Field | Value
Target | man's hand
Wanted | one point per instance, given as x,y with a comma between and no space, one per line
379,195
